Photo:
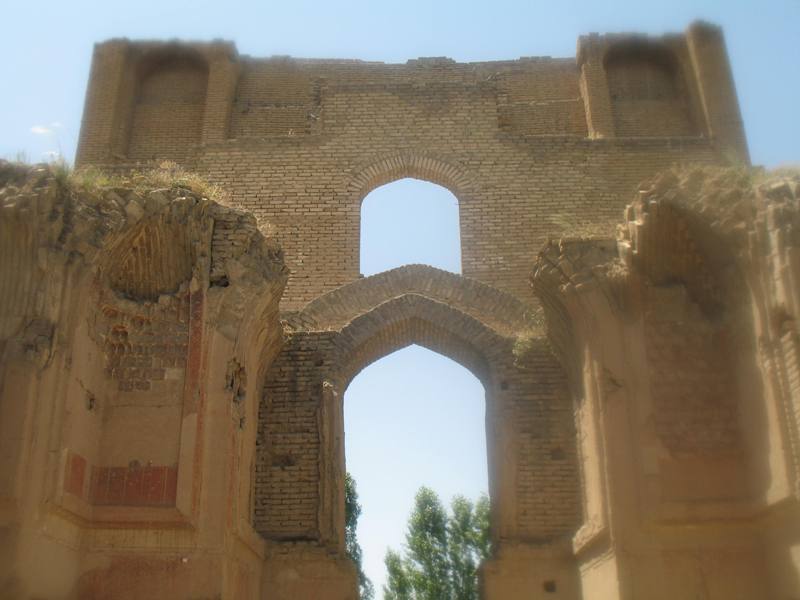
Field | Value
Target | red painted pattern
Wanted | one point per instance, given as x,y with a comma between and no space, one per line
75,475
134,486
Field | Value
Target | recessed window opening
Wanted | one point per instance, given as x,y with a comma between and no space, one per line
410,221
648,96
412,419
167,113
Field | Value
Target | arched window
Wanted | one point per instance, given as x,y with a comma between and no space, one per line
168,109
410,221
647,92
412,418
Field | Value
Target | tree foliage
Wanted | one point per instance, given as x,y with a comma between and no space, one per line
442,552
352,511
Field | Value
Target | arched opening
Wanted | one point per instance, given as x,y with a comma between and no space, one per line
301,450
410,221
412,418
647,91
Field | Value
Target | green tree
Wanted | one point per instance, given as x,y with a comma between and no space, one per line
398,585
443,551
352,510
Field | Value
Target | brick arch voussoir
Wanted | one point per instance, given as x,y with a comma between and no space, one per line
495,309
416,165
414,319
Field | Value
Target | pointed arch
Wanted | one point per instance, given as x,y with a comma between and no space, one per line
415,319
418,166
528,412
498,310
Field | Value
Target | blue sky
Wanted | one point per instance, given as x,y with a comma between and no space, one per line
47,45
414,418
414,415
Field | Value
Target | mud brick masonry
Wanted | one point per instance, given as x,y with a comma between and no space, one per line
173,367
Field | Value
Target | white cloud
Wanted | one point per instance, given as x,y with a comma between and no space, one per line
41,130
51,154
55,124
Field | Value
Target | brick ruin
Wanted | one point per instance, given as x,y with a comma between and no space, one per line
173,367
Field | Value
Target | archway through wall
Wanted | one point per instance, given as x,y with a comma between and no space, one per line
409,221
533,478
412,418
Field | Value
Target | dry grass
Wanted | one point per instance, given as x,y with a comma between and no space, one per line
788,170
91,180
167,175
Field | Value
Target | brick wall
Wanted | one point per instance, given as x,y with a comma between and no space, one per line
694,393
540,96
146,349
547,489
532,149
517,142
530,431
512,194
287,480
273,98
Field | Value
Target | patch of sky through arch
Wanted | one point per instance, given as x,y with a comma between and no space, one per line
409,221
414,417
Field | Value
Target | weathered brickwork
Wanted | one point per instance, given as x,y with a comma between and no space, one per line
275,98
648,94
661,336
168,430
531,148
125,432
693,388
288,447
547,474
540,96
147,349
529,416
790,344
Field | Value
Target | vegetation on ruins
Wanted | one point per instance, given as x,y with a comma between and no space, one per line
164,174
352,510
442,551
